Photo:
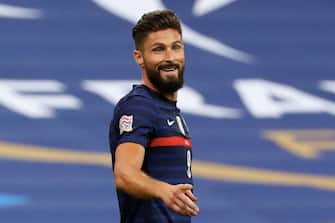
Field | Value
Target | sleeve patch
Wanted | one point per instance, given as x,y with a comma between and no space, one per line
126,123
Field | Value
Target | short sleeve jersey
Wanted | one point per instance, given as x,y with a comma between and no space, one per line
147,118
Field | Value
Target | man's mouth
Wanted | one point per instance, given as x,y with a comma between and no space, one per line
170,69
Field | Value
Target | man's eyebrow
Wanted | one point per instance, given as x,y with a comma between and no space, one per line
160,43
157,44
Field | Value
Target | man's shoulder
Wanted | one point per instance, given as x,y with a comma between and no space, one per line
138,96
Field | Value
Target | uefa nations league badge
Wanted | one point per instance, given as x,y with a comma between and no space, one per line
126,124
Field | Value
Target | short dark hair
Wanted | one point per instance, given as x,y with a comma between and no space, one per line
152,22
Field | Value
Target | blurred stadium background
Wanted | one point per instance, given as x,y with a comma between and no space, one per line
259,100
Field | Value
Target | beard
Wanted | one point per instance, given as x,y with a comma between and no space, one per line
169,84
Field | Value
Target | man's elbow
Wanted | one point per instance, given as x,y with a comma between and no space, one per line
120,180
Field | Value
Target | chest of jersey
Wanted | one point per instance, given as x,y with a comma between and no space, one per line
169,155
170,122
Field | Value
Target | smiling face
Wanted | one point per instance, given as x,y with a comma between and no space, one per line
162,60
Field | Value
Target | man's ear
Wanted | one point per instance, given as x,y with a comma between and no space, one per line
138,57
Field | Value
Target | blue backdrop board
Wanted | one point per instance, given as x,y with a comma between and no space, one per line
259,101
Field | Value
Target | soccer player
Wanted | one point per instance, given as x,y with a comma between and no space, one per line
149,140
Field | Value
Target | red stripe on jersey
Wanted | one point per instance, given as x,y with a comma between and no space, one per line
171,141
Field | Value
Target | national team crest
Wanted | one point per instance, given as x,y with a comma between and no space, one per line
126,124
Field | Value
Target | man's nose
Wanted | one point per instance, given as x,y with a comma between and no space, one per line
169,55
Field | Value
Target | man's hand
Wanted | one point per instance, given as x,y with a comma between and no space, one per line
180,199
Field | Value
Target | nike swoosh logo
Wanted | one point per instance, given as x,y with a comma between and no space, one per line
170,123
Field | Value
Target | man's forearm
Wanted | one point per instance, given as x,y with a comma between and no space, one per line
177,197
137,183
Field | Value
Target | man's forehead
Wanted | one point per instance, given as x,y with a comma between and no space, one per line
166,36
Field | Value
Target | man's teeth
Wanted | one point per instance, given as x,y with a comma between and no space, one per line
170,69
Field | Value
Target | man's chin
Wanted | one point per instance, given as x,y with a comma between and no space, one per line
166,82
168,85
169,77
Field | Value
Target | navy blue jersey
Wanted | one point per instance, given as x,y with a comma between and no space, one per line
147,118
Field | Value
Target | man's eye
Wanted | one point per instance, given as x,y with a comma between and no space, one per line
176,47
157,49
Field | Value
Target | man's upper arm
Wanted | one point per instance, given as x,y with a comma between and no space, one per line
135,121
133,131
129,155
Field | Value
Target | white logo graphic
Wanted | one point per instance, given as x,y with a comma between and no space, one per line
36,98
132,10
263,99
190,100
126,124
16,12
202,7
170,122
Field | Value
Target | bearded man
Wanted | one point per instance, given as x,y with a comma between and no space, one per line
149,140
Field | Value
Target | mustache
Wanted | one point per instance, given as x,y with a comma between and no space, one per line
168,65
